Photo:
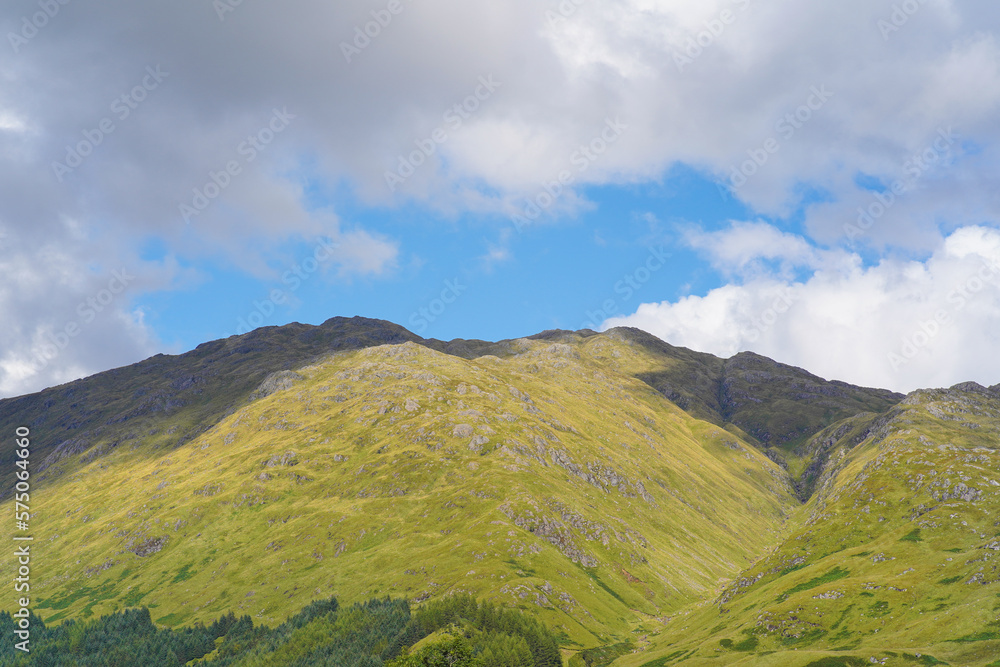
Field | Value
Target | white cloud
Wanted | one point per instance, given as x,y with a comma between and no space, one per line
560,82
68,313
364,253
898,324
743,245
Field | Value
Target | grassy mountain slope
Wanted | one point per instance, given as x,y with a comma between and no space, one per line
167,400
546,479
896,559
612,484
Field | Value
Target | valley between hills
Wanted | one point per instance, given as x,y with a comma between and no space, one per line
649,504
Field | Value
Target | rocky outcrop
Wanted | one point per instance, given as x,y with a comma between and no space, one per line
958,492
287,459
148,547
274,383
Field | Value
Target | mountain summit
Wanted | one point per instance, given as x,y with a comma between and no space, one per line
678,506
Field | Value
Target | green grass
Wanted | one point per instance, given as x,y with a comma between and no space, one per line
183,574
133,598
170,620
833,575
747,645
926,659
665,660
839,661
592,573
603,656
978,637
880,608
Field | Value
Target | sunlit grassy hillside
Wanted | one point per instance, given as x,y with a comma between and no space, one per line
547,479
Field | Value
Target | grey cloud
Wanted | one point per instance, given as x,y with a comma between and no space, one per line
561,79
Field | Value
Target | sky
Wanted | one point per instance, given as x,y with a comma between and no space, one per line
815,182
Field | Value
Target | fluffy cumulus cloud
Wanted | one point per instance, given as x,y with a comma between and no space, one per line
896,324
67,316
745,246
210,126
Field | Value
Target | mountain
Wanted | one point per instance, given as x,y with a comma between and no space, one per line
664,504
188,393
894,559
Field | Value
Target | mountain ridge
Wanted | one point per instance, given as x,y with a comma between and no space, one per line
275,349
609,483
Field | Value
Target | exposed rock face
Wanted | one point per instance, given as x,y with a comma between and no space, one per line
977,388
149,546
65,449
554,532
478,442
274,383
959,492
830,595
287,459
558,535
599,475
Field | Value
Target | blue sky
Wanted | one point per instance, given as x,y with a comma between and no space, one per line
816,182
558,273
